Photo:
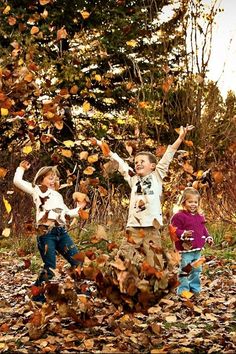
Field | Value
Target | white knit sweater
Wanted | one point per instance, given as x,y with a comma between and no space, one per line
50,205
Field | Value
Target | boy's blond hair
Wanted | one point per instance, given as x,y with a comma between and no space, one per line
152,158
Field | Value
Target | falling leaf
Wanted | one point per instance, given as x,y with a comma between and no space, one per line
172,232
189,143
28,77
4,112
160,150
12,21
27,149
86,106
7,205
66,153
83,155
45,138
3,172
62,34
98,77
188,168
85,14
6,10
6,232
79,197
218,176
44,2
89,170
105,149
132,43
59,125
167,84
84,214
199,262
103,192
34,30
69,143
93,158
74,89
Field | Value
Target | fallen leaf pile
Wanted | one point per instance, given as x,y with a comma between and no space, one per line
71,322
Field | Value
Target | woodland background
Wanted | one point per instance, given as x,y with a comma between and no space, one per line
123,72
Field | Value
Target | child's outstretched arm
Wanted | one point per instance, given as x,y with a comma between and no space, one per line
18,178
182,133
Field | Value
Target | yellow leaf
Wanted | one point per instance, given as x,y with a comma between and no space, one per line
98,77
69,143
66,153
27,149
132,43
186,294
7,205
85,14
4,111
6,232
6,10
89,170
86,106
93,158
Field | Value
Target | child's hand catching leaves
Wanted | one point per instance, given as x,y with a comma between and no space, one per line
184,130
25,164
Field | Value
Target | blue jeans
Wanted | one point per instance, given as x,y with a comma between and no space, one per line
191,281
56,240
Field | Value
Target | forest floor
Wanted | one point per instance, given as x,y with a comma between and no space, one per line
206,324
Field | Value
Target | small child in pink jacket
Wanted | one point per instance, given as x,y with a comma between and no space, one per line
191,236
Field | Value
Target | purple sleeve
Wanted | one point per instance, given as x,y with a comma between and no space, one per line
177,221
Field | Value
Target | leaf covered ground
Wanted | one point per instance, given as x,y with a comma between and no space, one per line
70,322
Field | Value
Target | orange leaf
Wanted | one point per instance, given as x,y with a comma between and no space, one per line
218,176
44,2
61,34
34,30
66,153
3,172
188,143
105,149
186,294
36,290
172,231
84,214
199,262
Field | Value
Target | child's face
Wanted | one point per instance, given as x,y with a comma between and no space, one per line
191,204
143,166
50,180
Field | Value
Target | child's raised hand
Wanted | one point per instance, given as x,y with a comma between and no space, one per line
184,130
25,164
